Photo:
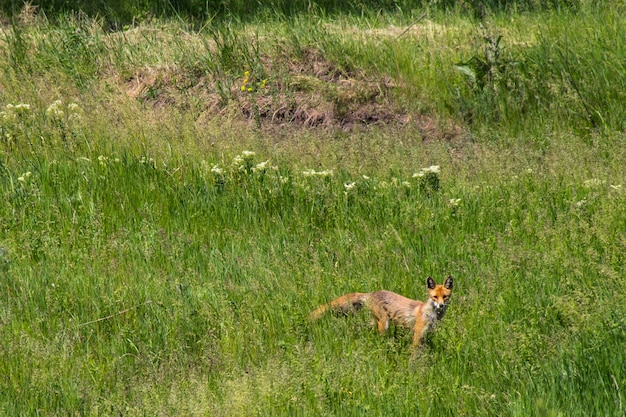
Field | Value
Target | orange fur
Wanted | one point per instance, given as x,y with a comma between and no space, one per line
388,306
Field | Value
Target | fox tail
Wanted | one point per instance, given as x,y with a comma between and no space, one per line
343,305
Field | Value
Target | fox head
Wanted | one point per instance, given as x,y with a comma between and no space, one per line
439,294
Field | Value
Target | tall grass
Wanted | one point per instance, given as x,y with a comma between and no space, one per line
119,12
148,265
568,75
120,274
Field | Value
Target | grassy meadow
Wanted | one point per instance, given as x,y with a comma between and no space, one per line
175,199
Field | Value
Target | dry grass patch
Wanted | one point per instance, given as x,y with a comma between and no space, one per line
305,92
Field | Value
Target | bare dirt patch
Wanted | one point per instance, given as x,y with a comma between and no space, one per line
309,92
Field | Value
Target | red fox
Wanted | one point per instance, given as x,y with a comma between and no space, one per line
386,305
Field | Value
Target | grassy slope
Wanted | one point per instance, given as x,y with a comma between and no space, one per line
137,280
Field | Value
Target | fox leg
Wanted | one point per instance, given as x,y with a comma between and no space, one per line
417,339
383,323
418,332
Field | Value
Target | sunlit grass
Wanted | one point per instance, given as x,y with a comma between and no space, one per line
121,269
160,259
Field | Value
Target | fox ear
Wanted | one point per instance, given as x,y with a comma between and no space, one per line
449,282
431,283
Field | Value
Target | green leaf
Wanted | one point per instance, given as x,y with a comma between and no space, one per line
467,71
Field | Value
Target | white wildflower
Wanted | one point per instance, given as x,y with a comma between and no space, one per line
406,184
239,162
455,201
215,169
365,177
149,161
594,182
247,154
314,173
616,187
261,166
349,185
22,107
55,109
10,113
433,168
24,177
581,203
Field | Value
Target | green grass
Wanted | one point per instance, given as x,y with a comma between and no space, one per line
148,266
